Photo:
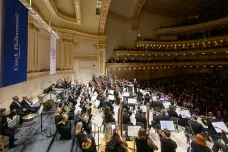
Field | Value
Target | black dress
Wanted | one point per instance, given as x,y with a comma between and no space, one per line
142,146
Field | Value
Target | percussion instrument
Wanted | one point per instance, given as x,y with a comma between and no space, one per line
29,117
49,104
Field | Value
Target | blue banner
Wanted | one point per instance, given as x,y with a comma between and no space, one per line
14,43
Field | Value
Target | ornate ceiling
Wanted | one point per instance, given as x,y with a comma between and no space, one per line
78,15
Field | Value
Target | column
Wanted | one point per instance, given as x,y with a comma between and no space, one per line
37,48
62,55
101,48
30,49
65,54
71,55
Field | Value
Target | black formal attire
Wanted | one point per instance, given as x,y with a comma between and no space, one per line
211,130
147,100
198,148
135,86
159,118
168,145
27,105
64,130
158,104
140,118
109,104
218,145
172,113
92,148
57,119
19,109
126,118
5,130
193,127
142,146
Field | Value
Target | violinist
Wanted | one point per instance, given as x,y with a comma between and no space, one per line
218,145
199,144
171,112
160,117
193,127
167,144
211,130
64,127
5,130
144,142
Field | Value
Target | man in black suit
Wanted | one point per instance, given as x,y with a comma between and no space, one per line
126,117
28,105
135,86
193,127
171,112
5,130
16,106
140,117
211,130
160,117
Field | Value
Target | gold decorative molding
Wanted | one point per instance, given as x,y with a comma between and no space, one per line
169,53
190,42
85,57
104,14
154,64
191,28
33,26
121,18
76,33
101,45
136,12
52,8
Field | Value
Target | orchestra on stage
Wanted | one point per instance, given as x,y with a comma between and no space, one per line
117,102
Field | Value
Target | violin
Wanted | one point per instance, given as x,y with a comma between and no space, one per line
161,133
205,117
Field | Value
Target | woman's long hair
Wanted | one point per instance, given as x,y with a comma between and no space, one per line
78,128
108,133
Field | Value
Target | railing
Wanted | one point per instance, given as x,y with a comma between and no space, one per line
191,28
145,65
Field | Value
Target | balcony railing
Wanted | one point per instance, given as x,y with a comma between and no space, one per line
191,28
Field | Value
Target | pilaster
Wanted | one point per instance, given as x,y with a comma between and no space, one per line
101,48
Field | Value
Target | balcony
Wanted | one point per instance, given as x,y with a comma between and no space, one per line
191,28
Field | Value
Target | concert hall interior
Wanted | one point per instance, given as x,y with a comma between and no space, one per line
114,75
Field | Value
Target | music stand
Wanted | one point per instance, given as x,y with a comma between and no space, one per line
167,125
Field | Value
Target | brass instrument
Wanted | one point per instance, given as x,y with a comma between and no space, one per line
86,144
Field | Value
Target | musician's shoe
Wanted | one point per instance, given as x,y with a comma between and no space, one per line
15,145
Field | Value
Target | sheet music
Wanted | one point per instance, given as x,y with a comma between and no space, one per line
166,104
116,109
77,108
111,97
133,131
113,127
94,97
132,101
111,91
96,104
126,94
143,108
40,109
154,98
167,125
97,120
220,125
185,113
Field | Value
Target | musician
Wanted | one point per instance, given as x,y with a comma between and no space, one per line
16,107
211,130
64,127
5,130
218,145
115,144
171,112
144,142
66,101
78,118
109,104
167,144
199,144
126,117
27,104
89,144
193,127
49,89
58,116
160,117
140,118
147,99
157,104
135,86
